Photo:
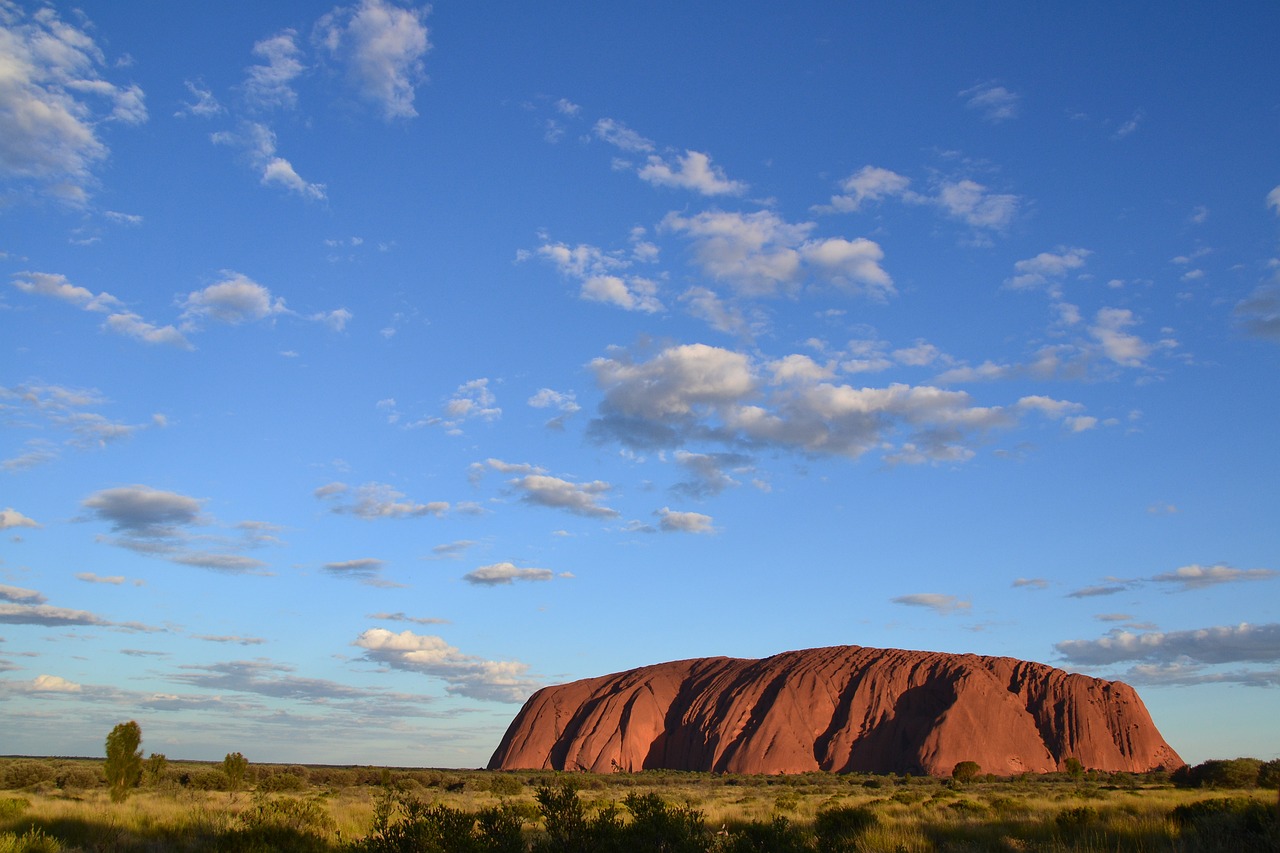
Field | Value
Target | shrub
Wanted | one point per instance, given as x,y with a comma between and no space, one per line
1231,823
838,829
77,777
28,773
278,782
658,826
965,771
1269,774
779,836
1220,773
34,841
235,766
1075,818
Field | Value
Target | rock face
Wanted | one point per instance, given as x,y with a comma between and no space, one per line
841,709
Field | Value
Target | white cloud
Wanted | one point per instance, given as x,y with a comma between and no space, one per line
235,300
382,46
143,511
473,399
1273,199
56,286
336,319
270,86
564,402
378,500
1130,126
760,254
259,143
503,574
204,105
556,493
132,326
53,684
1031,583
937,602
618,134
996,103
704,304
631,294
708,472
694,172
671,521
463,674
870,183
699,392
53,100
1118,345
1220,644
599,276
1196,576
1047,269
977,206
10,518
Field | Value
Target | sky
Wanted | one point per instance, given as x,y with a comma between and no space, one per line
365,367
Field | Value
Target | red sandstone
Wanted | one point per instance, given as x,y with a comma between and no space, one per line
841,709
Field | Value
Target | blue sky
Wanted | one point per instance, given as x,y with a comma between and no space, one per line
367,366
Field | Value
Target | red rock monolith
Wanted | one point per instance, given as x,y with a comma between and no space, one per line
840,709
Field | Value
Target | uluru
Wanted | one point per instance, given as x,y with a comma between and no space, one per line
841,709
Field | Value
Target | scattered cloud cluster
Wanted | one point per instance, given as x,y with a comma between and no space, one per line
690,170
376,501
961,199
158,523
55,102
705,394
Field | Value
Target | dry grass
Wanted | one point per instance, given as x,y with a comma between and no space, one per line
335,806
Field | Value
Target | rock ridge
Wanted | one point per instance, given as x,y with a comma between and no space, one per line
840,709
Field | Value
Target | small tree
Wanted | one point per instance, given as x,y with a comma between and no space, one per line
124,759
156,765
966,771
1073,766
235,766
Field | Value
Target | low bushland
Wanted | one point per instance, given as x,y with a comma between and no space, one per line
65,805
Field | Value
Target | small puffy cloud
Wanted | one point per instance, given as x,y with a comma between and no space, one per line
336,319
10,518
578,498
234,300
504,574
381,46
53,684
1196,576
53,102
631,294
142,511
1259,313
473,399
996,103
1130,126
463,674
619,135
1273,199
704,304
56,286
270,85
870,183
1243,643
671,521
1118,345
976,205
130,325
937,602
761,254
377,500
1047,269
693,171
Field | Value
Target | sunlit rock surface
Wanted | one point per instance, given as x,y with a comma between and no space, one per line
840,709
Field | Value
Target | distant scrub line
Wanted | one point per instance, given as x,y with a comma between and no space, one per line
66,805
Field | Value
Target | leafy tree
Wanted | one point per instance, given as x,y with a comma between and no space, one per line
124,759
965,771
1073,766
235,766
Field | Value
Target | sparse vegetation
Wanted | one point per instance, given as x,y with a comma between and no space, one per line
182,805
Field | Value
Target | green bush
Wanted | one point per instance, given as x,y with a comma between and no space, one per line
1220,773
779,836
658,826
965,771
838,829
1238,824
34,841
78,777
278,782
27,773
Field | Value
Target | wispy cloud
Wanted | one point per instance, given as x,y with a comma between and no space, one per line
945,605
463,674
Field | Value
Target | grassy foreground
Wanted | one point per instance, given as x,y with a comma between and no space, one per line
63,805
